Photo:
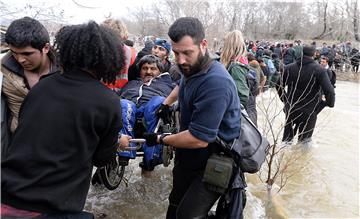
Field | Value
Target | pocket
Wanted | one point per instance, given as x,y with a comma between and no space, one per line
218,172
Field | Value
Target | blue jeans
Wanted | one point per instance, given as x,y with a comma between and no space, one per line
152,155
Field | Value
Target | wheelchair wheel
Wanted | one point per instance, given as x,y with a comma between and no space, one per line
112,174
167,155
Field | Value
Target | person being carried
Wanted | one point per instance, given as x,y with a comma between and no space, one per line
140,98
162,49
68,123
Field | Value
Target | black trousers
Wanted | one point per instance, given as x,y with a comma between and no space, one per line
301,122
189,197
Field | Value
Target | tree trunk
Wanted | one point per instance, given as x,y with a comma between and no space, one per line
356,22
324,20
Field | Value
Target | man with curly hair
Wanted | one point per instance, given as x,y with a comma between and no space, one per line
68,123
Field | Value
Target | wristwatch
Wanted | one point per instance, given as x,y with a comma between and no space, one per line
162,136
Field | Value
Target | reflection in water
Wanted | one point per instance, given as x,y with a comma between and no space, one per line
325,183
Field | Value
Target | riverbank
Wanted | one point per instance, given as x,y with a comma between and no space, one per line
348,76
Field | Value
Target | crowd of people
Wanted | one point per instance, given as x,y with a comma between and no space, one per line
70,106
340,56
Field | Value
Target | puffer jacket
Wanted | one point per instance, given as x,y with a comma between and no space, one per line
15,86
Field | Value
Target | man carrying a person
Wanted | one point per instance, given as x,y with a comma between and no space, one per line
209,107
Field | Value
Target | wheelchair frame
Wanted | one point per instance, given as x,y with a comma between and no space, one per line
112,174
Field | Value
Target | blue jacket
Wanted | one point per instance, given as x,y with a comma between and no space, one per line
209,107
139,92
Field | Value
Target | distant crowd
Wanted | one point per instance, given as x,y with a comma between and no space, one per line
73,105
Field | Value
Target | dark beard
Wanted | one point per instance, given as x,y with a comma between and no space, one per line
202,61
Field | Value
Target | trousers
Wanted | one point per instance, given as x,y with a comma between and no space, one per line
130,113
301,122
189,197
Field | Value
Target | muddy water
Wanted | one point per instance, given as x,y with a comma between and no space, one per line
325,183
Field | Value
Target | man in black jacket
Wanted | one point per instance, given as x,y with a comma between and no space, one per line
300,88
68,122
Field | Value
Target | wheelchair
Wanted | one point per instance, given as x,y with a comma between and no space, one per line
112,174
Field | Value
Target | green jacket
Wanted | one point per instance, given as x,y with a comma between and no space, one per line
238,72
298,51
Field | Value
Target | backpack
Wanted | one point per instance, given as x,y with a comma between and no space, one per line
266,61
250,74
252,82
250,149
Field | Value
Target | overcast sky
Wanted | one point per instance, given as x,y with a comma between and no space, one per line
79,11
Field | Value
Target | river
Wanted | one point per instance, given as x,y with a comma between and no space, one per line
325,183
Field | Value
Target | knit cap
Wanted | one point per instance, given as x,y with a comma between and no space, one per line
163,43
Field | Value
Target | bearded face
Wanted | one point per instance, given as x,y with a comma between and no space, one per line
189,56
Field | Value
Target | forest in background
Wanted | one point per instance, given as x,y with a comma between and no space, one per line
324,20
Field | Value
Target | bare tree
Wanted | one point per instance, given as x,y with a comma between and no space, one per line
356,21
325,4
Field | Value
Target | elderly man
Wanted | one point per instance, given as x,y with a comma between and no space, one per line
140,98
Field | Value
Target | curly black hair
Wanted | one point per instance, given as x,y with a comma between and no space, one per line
27,31
90,47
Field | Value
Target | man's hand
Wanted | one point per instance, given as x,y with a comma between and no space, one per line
151,138
123,142
164,113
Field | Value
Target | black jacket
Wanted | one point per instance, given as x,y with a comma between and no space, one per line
300,87
68,123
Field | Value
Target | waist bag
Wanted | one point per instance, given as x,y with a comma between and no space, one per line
218,172
250,149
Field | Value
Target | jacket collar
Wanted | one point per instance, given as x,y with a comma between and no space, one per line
10,63
304,60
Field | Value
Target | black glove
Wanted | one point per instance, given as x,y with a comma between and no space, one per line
151,138
164,113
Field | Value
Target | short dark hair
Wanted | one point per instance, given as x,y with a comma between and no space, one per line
90,47
27,31
187,26
150,59
308,51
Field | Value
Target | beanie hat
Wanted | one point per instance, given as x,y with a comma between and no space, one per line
163,43
308,51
